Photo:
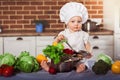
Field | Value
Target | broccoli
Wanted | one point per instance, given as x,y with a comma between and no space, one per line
100,67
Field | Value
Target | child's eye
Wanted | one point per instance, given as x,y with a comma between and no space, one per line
76,21
79,21
72,21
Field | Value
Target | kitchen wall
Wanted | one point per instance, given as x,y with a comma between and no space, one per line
17,15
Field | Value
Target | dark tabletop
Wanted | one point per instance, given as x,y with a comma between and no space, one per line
42,75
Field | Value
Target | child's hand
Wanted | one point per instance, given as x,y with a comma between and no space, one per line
88,56
59,38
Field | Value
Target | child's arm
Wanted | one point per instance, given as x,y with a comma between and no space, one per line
88,49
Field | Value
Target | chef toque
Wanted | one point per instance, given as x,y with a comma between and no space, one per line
72,9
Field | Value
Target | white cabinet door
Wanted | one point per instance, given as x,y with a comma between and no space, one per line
15,45
1,45
42,42
102,44
117,47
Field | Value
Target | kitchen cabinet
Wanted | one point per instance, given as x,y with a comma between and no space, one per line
42,42
15,45
35,44
117,47
102,44
1,45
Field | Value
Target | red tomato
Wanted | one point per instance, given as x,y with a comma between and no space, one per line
8,71
1,71
4,66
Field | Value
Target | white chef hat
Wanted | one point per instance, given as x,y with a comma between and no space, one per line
72,9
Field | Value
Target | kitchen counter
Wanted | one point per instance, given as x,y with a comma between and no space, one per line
51,33
101,32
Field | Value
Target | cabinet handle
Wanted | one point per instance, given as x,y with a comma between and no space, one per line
95,37
19,38
95,47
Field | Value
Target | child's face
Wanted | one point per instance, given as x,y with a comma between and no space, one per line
75,24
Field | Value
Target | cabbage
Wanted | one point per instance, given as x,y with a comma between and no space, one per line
105,58
8,59
26,63
24,53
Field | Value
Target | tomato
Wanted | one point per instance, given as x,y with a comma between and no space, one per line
4,66
1,71
1,68
8,71
116,67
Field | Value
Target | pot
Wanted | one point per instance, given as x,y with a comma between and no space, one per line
89,26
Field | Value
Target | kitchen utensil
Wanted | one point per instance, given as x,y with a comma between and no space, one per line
90,26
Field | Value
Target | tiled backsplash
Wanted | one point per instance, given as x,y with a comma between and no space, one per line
16,15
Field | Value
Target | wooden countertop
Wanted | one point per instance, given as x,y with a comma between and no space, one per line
102,32
52,33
